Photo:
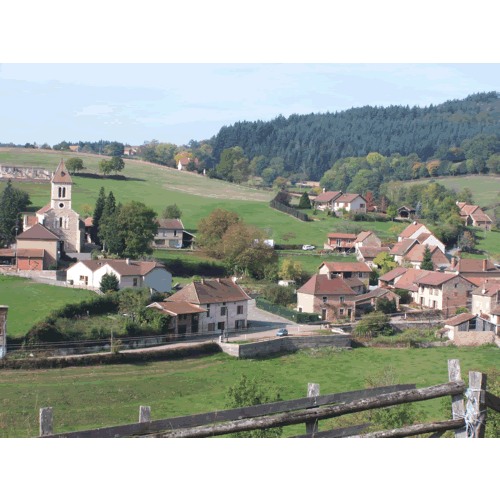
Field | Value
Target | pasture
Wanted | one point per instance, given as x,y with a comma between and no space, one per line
96,396
30,302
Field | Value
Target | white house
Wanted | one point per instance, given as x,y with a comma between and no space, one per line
354,203
183,162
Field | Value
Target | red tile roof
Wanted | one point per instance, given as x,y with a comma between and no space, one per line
398,271
344,236
490,289
328,196
31,220
469,209
348,198
320,284
372,252
408,231
89,221
461,318
416,254
480,218
341,267
210,292
406,281
377,293
7,252
435,278
363,235
38,232
135,268
44,209
401,247
184,160
61,175
474,265
170,224
178,307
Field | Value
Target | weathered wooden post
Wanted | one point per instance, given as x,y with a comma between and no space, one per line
457,402
476,406
312,425
46,421
145,414
3,331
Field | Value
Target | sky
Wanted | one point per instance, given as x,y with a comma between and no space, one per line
170,102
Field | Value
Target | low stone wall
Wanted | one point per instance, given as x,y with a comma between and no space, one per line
284,344
473,338
401,326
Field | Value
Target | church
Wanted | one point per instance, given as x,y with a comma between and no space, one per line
53,229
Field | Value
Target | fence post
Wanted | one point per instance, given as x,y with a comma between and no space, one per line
457,402
312,425
477,408
46,421
145,414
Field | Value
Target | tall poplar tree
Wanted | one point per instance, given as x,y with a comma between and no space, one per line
96,218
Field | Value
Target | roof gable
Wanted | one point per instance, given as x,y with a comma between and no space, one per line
61,175
328,196
320,284
38,232
211,292
339,267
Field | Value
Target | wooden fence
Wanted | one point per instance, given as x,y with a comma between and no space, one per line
466,422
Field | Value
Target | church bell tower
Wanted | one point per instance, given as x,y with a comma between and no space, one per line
61,188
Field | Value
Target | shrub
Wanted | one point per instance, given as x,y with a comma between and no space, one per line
386,306
154,319
304,201
43,332
460,310
280,295
159,297
109,283
131,329
404,295
374,274
52,267
372,325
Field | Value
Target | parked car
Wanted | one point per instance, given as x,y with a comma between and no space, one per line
308,247
282,332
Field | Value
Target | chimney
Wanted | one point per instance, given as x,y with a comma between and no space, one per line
453,262
202,281
127,261
484,265
218,280
324,190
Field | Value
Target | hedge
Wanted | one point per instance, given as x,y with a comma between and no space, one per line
109,358
290,314
289,210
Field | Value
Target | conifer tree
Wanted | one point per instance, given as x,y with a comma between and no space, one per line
427,263
304,201
96,218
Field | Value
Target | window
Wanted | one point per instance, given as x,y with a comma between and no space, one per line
342,299
60,221
240,310
341,312
348,241
339,242
360,275
59,193
421,301
82,278
361,205
300,309
222,311
220,325
64,192
324,300
175,232
208,309
135,282
456,285
240,323
211,327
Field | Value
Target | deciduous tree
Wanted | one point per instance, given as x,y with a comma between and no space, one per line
212,229
172,212
13,201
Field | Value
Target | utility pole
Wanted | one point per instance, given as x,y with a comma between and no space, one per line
111,344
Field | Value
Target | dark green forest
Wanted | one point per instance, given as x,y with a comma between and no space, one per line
453,132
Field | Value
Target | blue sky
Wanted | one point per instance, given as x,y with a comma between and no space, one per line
177,102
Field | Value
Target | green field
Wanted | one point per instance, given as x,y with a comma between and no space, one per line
88,397
30,302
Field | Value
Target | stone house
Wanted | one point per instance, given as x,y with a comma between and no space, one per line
130,273
37,249
185,316
369,300
367,239
401,278
346,270
329,297
225,302
443,291
171,234
474,268
340,242
416,256
473,215
367,254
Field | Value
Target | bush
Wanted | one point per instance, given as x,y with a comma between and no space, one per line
374,274
404,295
159,297
52,267
109,283
372,325
43,332
154,319
460,310
96,305
386,306
280,295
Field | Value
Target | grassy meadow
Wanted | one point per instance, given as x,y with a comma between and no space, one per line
88,397
30,302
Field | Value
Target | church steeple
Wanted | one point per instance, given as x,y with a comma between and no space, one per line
61,188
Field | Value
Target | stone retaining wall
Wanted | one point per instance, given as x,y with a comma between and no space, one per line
269,347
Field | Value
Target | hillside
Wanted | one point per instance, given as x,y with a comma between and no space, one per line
317,141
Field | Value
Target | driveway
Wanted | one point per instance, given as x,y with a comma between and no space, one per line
258,318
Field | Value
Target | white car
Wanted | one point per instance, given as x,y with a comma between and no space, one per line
308,247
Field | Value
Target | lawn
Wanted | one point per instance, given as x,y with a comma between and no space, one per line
30,302
87,397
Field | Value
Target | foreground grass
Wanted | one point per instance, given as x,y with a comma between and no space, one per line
110,395
30,302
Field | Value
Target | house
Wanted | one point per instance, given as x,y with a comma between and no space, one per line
486,298
443,291
328,296
183,162
37,249
325,200
469,329
340,241
431,240
346,270
356,285
350,202
413,231
129,150
406,212
225,303
474,268
474,216
367,254
369,300
171,234
367,239
401,248
416,255
130,273
74,149
185,316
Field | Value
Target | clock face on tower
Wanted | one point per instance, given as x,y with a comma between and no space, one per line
61,205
